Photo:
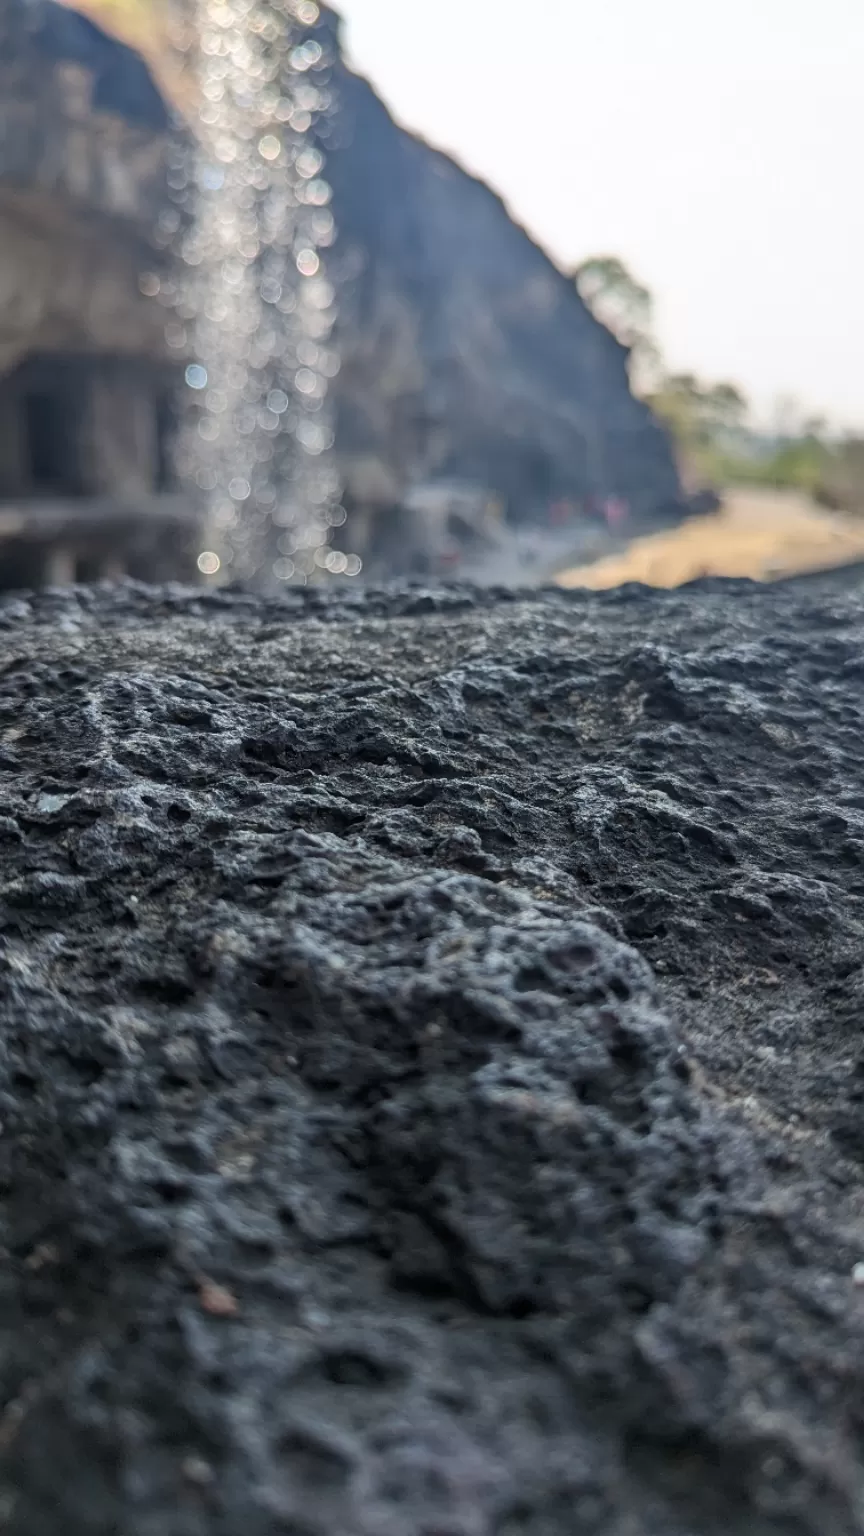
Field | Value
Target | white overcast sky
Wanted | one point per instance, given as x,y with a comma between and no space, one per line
716,145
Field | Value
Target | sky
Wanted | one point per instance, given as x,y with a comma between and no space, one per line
715,147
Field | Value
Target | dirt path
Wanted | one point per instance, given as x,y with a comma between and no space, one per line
763,535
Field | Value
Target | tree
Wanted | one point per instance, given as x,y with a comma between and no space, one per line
709,422
624,305
615,296
725,406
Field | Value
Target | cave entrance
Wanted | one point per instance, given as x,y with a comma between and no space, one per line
51,423
87,486
75,427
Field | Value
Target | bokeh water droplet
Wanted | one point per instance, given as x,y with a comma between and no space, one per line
254,309
308,262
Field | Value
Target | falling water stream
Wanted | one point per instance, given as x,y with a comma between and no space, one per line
251,302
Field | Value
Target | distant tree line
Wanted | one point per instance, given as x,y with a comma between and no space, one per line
711,423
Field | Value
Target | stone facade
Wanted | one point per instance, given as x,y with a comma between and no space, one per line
86,376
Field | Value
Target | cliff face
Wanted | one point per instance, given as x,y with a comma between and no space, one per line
466,352
82,135
464,348
355,1179
87,378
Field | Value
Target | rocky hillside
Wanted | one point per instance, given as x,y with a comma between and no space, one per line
455,319
466,352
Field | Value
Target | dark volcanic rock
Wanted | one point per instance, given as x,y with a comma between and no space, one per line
430,1075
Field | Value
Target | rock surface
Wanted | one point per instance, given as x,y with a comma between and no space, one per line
465,351
431,1075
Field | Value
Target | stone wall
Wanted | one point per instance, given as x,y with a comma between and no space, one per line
86,374
67,285
81,188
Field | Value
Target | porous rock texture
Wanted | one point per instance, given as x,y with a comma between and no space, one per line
431,1063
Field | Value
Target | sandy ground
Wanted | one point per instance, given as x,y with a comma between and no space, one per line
761,534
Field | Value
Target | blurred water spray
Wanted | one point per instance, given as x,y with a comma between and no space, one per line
251,300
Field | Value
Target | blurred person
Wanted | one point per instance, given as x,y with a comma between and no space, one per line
616,511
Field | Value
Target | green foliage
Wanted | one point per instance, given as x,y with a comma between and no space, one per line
625,307
615,297
710,422
802,463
